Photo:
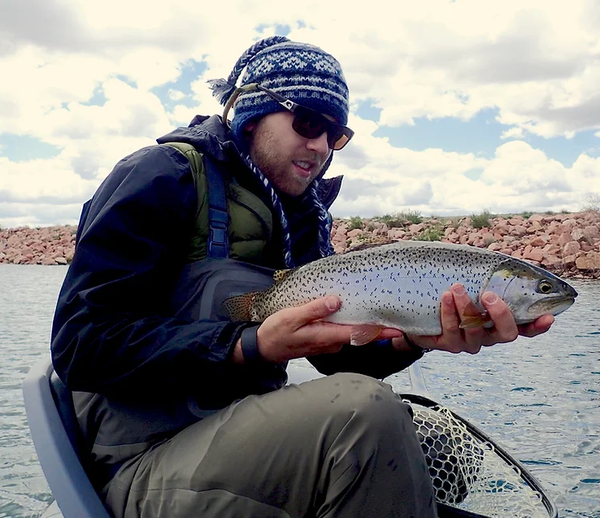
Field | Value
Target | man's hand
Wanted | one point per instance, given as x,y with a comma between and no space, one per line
299,332
454,339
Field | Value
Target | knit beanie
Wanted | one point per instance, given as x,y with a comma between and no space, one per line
300,72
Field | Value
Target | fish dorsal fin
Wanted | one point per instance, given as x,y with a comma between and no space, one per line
238,307
279,275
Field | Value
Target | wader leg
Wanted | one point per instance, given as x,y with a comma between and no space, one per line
340,446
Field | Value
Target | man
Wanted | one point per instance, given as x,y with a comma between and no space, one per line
187,415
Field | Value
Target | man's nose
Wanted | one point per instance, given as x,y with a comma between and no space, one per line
319,144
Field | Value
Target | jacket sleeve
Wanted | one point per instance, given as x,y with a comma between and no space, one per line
377,359
111,332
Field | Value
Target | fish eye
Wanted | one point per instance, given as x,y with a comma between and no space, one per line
545,287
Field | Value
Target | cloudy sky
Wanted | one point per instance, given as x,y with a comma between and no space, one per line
458,106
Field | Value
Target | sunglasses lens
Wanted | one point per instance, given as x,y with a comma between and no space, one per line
337,139
309,124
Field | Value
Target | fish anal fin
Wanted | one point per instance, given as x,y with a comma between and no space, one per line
364,333
238,307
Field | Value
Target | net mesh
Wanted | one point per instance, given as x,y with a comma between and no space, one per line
468,472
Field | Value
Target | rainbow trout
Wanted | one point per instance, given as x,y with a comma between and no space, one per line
400,285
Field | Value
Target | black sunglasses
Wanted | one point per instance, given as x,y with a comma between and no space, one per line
307,123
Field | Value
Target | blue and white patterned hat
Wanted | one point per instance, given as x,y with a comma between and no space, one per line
300,72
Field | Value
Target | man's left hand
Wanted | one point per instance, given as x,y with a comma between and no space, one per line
455,339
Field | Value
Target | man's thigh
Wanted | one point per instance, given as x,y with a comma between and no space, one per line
262,456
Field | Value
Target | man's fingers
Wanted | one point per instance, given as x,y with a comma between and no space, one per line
539,326
321,308
317,309
505,328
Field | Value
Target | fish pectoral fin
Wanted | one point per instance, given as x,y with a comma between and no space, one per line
479,320
364,333
472,317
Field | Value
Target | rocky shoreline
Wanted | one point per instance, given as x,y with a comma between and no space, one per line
565,244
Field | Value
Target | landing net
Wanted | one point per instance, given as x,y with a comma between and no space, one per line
471,473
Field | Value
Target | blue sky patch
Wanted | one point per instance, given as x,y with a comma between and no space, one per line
22,148
98,98
480,135
190,71
280,29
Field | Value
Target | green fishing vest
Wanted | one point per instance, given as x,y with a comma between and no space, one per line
130,427
250,220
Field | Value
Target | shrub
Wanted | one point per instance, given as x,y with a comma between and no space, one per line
592,202
482,220
356,222
430,234
392,220
412,216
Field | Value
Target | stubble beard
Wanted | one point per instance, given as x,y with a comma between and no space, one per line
266,155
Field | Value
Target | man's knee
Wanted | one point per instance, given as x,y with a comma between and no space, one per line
365,400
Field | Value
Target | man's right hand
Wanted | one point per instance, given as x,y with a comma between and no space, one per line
299,332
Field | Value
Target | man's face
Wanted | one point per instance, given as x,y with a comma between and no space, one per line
290,162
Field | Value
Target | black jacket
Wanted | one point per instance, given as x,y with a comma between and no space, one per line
114,331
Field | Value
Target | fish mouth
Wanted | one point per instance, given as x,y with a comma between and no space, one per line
554,305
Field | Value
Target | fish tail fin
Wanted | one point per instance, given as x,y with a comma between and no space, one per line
238,307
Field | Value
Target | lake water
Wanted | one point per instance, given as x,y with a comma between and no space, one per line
539,398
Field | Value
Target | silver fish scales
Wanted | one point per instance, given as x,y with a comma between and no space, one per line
400,286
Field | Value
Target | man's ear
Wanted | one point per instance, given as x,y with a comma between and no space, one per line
248,130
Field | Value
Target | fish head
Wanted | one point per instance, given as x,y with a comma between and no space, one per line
530,291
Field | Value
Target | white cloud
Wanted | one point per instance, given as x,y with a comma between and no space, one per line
535,62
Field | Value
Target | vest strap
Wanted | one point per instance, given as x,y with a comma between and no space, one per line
218,217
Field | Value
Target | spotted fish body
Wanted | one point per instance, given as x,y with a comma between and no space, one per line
400,286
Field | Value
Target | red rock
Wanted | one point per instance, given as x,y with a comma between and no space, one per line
589,261
396,233
539,241
551,261
577,234
535,226
591,232
571,248
564,238
536,217
503,229
569,260
535,254
518,230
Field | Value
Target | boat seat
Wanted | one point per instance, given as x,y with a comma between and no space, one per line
58,442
